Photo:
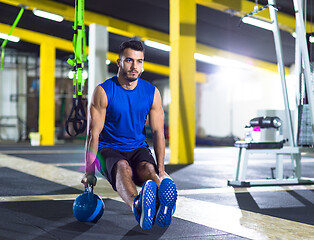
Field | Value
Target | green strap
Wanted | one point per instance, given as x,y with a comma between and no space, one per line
70,61
77,117
79,46
2,58
4,43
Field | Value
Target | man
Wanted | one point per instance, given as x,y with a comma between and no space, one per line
117,116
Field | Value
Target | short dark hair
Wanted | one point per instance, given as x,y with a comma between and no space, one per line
133,44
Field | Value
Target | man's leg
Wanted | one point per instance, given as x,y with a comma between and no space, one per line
146,171
144,204
167,197
167,192
124,183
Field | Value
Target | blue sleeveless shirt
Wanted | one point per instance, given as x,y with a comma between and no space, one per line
126,115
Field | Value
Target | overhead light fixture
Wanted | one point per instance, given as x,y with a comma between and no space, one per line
70,74
257,23
226,62
215,60
204,58
10,38
311,38
220,61
157,45
108,62
84,74
48,15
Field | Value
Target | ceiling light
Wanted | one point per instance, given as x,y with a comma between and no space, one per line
198,56
108,62
204,58
48,15
84,74
311,38
157,45
70,74
257,23
10,38
230,62
220,61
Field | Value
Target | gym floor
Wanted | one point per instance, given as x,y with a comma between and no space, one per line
39,185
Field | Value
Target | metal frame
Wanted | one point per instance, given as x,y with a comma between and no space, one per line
302,45
292,150
296,178
281,68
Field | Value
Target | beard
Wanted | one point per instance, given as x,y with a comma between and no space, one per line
128,78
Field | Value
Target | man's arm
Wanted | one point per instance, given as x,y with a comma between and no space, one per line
156,122
96,121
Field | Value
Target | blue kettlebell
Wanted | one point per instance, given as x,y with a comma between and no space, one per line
88,207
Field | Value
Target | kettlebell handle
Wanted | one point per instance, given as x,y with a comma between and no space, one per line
89,188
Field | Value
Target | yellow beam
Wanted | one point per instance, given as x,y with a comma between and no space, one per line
46,121
182,81
200,77
130,30
158,68
114,25
174,82
210,51
242,7
39,38
65,45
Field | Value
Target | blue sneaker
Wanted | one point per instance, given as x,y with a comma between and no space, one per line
167,194
136,208
144,205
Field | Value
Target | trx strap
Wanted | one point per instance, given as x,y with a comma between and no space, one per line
77,115
4,43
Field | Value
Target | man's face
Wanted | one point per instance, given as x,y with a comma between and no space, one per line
131,64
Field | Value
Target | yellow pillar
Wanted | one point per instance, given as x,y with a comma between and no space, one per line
182,81
46,120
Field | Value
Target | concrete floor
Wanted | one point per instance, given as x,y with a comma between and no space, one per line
39,185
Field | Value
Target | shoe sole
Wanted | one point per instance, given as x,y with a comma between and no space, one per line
167,194
148,205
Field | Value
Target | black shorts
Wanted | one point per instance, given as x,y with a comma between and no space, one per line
112,156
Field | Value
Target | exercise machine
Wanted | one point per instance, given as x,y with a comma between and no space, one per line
246,148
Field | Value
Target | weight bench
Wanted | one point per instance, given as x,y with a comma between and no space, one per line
245,149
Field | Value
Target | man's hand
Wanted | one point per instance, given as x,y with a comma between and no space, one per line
89,179
163,175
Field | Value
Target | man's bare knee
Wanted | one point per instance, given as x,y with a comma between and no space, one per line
123,167
124,183
147,168
122,164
